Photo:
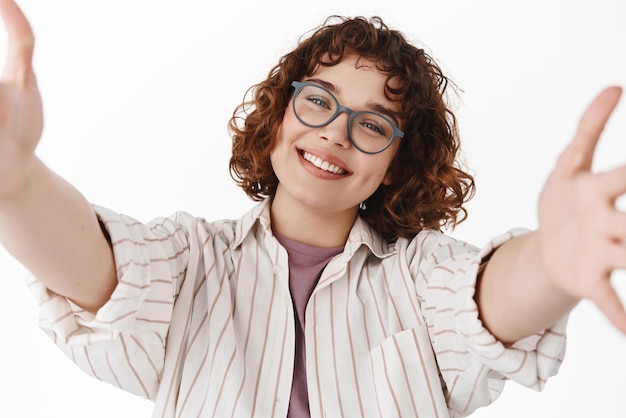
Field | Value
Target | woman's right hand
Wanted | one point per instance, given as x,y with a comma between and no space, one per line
45,223
21,113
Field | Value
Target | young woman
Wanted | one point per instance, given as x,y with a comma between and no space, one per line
337,295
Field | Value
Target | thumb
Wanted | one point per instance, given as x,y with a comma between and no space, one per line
609,303
21,42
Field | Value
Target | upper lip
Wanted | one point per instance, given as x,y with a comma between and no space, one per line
326,156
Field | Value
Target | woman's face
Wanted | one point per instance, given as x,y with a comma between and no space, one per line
319,167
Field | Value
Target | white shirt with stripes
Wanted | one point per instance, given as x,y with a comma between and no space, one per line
202,322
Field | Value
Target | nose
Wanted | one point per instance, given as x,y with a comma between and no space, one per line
336,132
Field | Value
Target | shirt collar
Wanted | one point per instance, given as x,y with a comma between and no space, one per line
361,233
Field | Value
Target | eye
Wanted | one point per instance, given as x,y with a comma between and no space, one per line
373,127
319,101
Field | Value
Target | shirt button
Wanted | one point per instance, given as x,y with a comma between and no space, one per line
276,269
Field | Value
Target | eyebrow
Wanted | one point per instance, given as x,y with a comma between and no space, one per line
376,107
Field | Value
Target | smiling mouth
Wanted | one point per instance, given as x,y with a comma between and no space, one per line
321,164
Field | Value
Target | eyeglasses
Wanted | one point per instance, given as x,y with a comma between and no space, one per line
369,132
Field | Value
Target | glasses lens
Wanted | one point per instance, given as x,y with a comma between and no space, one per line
315,106
371,131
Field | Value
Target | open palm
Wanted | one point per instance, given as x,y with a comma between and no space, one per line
583,234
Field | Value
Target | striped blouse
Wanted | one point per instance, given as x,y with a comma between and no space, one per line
202,323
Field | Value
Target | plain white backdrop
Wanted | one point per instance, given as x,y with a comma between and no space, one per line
137,95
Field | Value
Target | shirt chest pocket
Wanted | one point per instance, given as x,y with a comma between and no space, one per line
406,376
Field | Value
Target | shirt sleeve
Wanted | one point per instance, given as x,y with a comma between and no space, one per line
124,342
473,363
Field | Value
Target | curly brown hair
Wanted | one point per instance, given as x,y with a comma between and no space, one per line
428,188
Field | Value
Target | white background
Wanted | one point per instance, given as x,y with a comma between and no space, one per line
137,95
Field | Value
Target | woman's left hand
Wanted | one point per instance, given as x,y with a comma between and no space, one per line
582,233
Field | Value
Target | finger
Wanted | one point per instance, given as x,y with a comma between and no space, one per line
578,155
615,227
18,68
613,182
610,305
616,255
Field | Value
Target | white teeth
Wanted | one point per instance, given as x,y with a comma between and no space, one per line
324,165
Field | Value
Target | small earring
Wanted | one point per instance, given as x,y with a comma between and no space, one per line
363,206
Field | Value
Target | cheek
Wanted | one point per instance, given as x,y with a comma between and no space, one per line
377,176
387,176
286,130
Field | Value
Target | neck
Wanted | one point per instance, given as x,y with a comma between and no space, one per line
309,225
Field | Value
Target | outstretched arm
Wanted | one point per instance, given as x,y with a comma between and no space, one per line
45,223
534,280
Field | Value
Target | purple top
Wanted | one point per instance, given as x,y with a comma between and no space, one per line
305,267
